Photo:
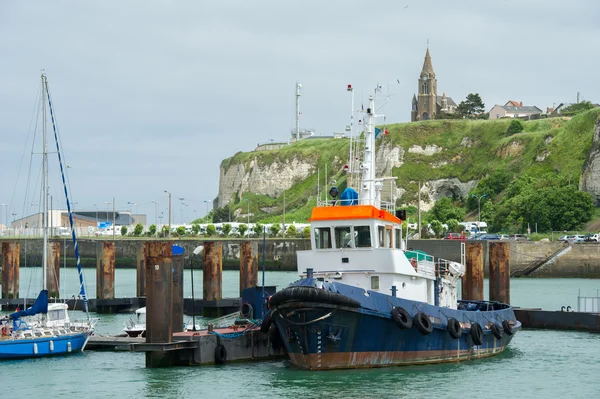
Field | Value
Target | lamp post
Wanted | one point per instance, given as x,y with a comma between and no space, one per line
479,197
181,209
169,233
207,202
96,206
197,250
107,204
5,213
156,206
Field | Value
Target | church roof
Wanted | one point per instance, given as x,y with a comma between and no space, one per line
451,102
427,65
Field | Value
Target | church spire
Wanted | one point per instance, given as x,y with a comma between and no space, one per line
427,65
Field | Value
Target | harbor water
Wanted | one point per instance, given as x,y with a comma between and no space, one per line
545,364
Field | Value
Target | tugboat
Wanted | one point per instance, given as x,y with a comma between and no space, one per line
365,300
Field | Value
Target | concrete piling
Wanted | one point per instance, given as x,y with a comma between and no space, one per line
177,295
248,265
105,270
53,269
472,280
499,261
213,270
140,285
11,253
159,300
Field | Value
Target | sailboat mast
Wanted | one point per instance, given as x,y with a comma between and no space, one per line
367,193
44,186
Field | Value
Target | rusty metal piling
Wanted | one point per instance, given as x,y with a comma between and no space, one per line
53,269
11,253
499,261
472,280
159,301
213,270
105,270
140,285
248,265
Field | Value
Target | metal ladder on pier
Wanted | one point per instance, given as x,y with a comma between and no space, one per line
536,264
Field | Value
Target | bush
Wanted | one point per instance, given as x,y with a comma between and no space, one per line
226,229
258,229
291,231
137,231
275,229
211,230
123,231
181,231
242,228
516,126
306,232
152,230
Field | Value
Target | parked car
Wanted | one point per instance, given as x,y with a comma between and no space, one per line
518,237
489,237
474,236
504,236
592,237
576,238
568,238
453,236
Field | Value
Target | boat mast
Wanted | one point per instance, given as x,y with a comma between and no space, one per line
298,87
44,186
367,192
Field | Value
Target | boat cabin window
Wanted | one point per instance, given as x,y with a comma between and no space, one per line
56,315
322,238
381,236
362,237
388,236
343,238
374,282
398,238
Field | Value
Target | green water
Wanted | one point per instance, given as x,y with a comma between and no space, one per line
538,364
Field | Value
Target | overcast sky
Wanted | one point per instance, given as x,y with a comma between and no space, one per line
152,95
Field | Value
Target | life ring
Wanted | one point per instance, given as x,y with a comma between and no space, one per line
413,262
5,331
401,318
246,311
507,327
423,324
266,323
454,328
220,354
477,334
497,331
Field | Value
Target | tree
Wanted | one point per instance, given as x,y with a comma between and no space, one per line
516,126
453,225
181,231
123,231
291,231
258,229
220,215
226,230
472,107
306,232
195,229
275,227
137,230
243,228
444,210
152,230
164,231
437,228
211,230
447,115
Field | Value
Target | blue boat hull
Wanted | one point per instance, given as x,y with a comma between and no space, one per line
320,335
43,346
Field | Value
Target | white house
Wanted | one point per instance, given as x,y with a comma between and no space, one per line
512,109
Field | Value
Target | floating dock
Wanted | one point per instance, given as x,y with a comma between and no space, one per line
199,348
558,320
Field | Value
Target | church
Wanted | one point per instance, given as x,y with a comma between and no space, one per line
427,104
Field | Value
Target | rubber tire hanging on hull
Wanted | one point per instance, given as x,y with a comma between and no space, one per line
497,331
454,328
311,294
423,324
477,334
507,327
246,311
266,323
401,318
220,354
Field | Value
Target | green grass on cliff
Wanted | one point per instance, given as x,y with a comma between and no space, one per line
471,149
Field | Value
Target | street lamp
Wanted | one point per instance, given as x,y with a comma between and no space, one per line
181,204
156,206
479,197
5,213
207,202
169,233
96,206
107,204
196,251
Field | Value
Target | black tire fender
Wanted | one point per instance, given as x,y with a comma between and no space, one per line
220,354
454,328
507,327
311,294
246,311
476,334
401,318
423,324
497,331
266,323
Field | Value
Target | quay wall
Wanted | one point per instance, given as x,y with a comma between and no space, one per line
583,260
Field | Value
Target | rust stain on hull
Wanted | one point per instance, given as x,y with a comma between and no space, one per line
350,360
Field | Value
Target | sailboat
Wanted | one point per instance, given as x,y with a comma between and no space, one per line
46,329
366,300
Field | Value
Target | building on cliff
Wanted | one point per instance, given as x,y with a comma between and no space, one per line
427,104
514,109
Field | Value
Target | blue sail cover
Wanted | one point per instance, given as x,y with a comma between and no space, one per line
40,306
349,197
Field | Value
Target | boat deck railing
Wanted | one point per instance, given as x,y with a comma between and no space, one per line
385,205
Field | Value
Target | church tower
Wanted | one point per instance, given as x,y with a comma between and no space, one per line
424,107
